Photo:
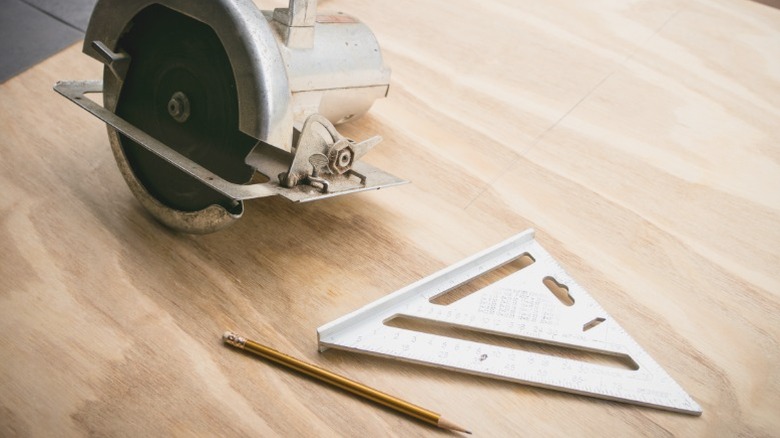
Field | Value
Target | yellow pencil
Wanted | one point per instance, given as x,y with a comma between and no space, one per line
342,382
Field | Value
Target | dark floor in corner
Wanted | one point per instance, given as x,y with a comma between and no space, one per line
33,30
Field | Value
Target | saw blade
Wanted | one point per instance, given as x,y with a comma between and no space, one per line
538,304
179,88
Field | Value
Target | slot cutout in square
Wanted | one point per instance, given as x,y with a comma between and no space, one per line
420,325
489,277
560,290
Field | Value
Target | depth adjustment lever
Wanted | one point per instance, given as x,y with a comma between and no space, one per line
323,154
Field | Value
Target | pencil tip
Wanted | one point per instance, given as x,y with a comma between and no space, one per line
447,424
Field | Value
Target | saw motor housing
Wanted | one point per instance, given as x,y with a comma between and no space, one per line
289,75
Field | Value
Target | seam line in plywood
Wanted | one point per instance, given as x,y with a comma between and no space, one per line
595,87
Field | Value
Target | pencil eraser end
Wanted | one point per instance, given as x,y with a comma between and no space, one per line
233,339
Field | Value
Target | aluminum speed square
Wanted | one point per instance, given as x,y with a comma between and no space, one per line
538,304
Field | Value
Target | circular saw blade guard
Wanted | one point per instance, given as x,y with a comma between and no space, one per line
295,74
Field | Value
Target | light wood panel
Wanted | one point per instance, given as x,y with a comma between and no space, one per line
639,139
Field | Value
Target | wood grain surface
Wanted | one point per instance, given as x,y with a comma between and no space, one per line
639,138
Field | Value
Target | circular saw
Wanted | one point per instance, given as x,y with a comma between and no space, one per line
212,103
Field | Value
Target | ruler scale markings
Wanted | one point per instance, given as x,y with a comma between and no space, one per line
518,306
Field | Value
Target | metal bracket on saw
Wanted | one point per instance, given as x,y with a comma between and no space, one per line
323,165
322,152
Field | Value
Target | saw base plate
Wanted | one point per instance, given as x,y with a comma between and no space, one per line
264,158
